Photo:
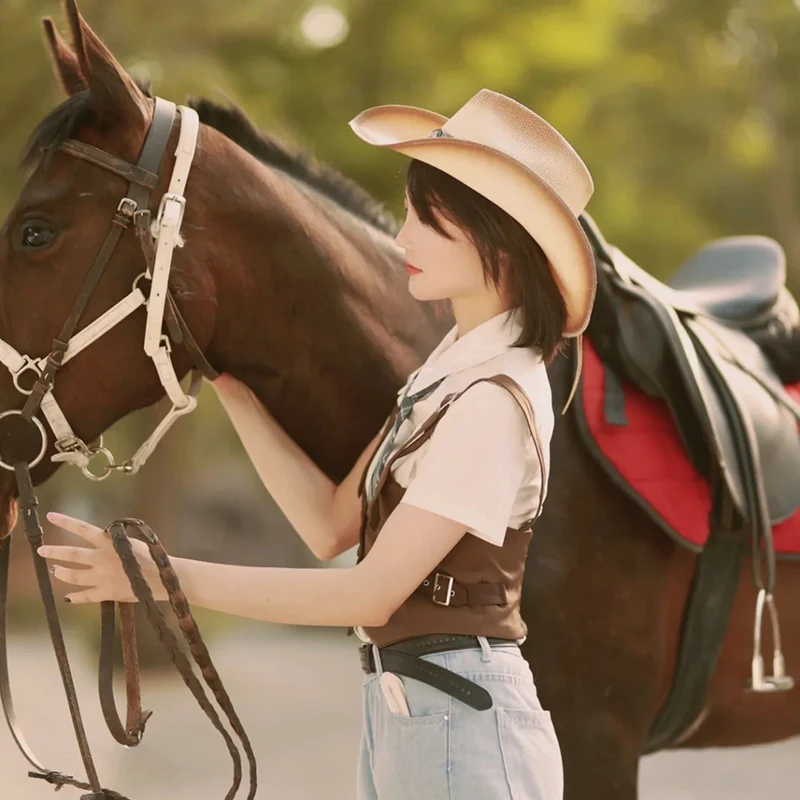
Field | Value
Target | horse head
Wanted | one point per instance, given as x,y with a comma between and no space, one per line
61,255
288,278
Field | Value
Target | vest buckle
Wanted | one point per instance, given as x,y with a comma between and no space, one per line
442,592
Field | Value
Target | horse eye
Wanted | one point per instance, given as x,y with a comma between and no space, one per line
37,235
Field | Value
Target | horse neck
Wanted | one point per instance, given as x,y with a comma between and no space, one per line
312,309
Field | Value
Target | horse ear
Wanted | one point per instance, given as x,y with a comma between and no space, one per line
64,60
113,92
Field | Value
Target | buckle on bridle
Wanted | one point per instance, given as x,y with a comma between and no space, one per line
171,198
125,211
127,207
442,586
31,364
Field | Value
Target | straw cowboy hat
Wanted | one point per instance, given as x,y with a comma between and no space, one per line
511,156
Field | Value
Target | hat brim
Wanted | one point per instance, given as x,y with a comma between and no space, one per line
507,183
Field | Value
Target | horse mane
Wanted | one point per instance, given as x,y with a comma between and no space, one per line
233,123
67,118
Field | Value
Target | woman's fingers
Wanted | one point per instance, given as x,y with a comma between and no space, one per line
88,532
95,567
77,577
86,596
77,555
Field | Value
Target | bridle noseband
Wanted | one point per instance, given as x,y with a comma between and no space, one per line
158,237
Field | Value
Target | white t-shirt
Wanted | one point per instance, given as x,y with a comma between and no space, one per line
480,466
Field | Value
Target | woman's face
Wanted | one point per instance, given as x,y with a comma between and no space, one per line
440,268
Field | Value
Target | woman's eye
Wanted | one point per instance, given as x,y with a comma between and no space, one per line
35,236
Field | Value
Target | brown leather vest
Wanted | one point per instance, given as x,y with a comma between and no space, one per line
476,589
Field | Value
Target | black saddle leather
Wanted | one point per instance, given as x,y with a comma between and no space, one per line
774,426
738,279
655,342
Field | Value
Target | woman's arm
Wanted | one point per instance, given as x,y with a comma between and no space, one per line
411,544
456,480
326,516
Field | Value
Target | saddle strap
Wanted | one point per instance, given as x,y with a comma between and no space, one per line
716,578
705,621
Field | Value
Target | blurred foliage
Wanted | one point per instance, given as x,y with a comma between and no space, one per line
685,112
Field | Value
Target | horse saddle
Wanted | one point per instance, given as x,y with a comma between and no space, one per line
711,344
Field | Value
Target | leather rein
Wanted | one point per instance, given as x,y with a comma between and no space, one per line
24,443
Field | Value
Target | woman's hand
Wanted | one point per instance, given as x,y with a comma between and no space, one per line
98,566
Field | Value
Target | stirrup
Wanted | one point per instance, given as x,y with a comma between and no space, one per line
779,681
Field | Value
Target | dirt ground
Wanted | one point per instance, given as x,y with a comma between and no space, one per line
304,722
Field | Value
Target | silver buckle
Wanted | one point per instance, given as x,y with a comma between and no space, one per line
127,207
169,197
442,584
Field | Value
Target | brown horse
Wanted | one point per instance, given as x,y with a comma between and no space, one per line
290,281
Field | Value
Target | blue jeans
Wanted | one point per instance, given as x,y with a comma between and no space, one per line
446,750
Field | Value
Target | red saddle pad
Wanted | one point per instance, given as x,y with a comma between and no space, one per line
647,454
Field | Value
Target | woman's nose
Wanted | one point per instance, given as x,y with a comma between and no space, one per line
400,238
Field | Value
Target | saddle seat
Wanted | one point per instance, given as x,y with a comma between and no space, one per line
738,279
696,343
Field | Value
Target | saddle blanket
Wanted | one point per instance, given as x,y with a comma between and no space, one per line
646,455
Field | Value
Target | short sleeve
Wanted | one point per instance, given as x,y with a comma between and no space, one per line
475,463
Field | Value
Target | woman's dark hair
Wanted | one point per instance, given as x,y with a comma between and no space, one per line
506,249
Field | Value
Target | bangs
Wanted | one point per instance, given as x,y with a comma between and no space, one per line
427,190
512,259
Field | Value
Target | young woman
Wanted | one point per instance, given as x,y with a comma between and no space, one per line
443,500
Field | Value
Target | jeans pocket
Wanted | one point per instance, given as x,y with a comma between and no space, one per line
410,753
410,757
531,755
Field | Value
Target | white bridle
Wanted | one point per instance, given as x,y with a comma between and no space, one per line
165,231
